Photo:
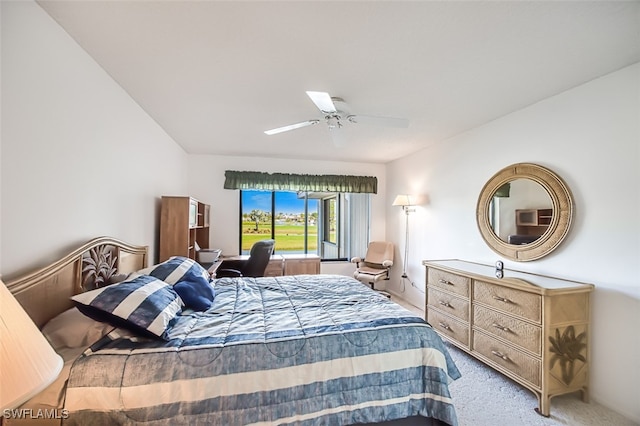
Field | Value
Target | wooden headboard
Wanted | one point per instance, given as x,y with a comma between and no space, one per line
46,292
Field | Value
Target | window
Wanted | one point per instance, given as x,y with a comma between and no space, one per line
332,225
330,211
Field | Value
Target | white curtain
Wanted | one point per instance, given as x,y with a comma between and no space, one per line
358,214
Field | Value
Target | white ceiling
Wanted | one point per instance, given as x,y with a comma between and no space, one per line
215,74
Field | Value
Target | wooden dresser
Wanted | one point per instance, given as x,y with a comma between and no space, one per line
532,328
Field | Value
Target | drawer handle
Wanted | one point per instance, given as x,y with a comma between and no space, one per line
500,355
445,304
441,281
445,326
500,327
502,299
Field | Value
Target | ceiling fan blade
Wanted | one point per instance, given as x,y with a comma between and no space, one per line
323,102
291,127
379,121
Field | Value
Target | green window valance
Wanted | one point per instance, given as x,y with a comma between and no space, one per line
298,182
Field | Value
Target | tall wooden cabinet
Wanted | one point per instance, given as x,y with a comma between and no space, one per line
532,328
184,223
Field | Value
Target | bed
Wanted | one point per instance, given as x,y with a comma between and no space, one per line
304,349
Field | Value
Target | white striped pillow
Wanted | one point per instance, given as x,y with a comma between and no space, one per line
144,304
176,269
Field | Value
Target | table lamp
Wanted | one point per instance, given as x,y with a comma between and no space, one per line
28,363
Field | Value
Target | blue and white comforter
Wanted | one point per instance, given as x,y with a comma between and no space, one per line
307,350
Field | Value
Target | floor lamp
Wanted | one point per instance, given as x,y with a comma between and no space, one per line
406,202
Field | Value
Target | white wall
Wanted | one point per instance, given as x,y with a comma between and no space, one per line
206,180
80,158
590,136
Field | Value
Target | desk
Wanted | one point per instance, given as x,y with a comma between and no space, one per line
297,264
274,268
212,267
285,264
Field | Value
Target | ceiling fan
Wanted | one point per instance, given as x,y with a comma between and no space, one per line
336,114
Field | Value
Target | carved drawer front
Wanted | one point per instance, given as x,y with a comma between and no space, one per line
526,335
520,303
450,304
450,282
523,365
456,330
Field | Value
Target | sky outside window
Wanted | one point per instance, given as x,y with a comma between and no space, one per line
287,202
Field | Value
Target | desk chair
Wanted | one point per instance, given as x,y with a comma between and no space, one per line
376,263
254,266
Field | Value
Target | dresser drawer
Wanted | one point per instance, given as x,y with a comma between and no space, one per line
448,281
523,334
525,366
519,303
450,304
448,326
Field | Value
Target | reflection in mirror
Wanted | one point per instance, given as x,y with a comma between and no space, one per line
524,212
520,211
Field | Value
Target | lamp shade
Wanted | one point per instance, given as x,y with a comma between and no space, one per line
28,363
404,200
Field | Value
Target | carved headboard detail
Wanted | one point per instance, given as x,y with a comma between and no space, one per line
98,266
46,292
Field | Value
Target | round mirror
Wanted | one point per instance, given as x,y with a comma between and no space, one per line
524,211
523,214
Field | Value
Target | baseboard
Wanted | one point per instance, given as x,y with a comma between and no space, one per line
402,301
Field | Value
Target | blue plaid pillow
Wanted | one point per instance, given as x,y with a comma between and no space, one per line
176,269
145,304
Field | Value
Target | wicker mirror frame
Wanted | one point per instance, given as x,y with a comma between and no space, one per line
562,203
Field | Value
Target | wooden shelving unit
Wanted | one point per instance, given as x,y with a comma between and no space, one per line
533,221
184,222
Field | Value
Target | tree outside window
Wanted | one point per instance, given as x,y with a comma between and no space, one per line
287,217
331,225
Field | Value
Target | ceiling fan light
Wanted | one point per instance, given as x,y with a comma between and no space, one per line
333,121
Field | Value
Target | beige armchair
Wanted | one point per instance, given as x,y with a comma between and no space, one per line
375,265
